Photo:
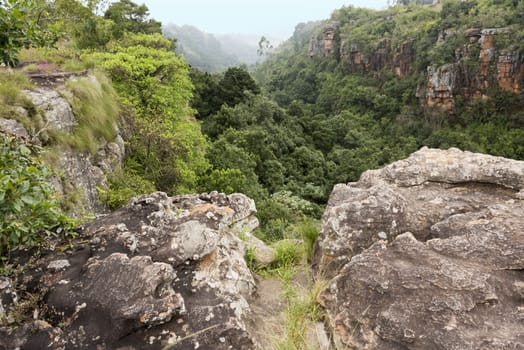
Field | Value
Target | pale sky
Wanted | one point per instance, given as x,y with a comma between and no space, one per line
261,17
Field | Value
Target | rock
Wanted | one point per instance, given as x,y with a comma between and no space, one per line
58,112
449,273
82,177
263,254
498,68
58,265
162,272
8,300
81,173
324,44
14,127
443,83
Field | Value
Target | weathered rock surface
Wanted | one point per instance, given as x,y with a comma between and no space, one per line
426,253
160,273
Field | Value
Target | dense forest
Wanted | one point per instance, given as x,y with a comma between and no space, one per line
354,92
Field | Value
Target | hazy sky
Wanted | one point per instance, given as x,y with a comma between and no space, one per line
261,17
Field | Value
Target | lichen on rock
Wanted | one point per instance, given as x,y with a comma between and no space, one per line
426,253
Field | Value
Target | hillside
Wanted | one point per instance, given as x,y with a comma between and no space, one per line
211,52
145,197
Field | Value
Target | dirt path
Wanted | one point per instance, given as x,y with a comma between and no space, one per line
269,323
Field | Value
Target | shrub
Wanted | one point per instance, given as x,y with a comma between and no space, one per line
307,229
124,185
29,211
288,253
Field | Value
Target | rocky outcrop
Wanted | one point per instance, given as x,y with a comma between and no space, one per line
426,253
484,62
161,273
472,76
325,43
50,112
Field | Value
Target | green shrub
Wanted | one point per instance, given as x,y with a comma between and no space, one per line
124,185
288,253
29,211
307,229
249,257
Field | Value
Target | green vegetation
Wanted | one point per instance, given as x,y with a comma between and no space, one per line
95,106
29,209
166,144
23,24
124,185
301,310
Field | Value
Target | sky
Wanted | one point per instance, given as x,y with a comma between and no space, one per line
272,18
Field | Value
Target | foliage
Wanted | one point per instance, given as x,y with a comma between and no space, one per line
124,185
29,210
81,23
288,253
249,257
130,17
155,88
308,230
96,109
22,24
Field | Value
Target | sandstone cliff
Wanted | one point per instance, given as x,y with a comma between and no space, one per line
489,58
426,253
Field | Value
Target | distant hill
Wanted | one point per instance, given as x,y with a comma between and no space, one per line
213,52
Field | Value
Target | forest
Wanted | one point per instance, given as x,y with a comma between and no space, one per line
318,111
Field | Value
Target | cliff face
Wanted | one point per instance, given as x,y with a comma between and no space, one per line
49,115
471,76
480,64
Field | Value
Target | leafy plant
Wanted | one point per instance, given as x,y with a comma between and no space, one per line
21,25
123,185
29,210
154,86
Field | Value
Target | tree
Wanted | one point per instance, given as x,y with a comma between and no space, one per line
130,17
154,85
22,26
235,83
264,46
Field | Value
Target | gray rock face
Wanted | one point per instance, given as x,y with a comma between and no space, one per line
426,253
58,112
82,173
14,127
8,299
160,273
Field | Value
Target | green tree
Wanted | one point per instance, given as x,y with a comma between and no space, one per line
23,25
131,17
155,87
234,85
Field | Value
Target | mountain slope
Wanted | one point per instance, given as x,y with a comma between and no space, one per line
213,53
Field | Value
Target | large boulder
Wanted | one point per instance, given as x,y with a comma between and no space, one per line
426,253
161,273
